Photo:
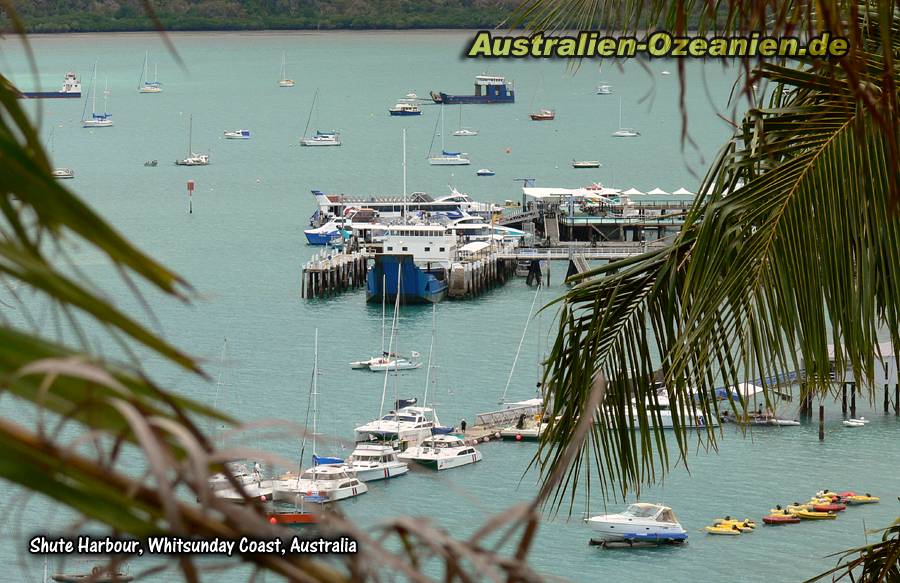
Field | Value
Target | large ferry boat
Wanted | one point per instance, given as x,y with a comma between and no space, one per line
488,89
415,263
71,88
338,205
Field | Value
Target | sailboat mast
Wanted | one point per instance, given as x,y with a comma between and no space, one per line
190,135
387,369
315,393
430,355
620,112
442,129
405,210
383,308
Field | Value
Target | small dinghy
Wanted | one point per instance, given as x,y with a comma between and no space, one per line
858,499
783,518
745,525
485,172
854,423
732,530
151,163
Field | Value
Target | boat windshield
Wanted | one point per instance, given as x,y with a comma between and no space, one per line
308,475
641,511
407,418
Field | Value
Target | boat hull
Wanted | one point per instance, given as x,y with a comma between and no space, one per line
50,95
415,284
616,531
321,238
380,473
446,99
404,113
449,463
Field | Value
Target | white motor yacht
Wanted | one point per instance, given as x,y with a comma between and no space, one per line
322,139
394,362
327,483
412,424
62,173
442,452
238,135
639,520
371,461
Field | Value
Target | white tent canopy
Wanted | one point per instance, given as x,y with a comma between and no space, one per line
683,191
632,191
657,191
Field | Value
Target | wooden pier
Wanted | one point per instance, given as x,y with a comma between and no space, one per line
473,277
326,275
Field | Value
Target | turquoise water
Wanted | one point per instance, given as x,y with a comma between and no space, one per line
243,247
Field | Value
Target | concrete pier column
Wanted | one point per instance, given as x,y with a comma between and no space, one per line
821,422
887,398
844,399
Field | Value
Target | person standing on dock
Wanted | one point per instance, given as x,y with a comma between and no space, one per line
462,425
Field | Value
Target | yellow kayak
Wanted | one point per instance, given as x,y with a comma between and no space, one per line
726,530
862,499
742,525
813,515
792,509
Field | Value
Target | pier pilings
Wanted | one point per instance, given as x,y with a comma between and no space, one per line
327,275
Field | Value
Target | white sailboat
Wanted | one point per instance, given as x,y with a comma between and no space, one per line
59,173
624,132
98,119
447,158
464,131
145,85
192,158
321,483
284,81
326,138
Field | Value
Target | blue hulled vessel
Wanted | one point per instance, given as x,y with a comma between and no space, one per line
488,89
415,263
71,89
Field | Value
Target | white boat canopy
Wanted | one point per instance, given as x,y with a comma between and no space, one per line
474,247
683,191
657,191
557,195
632,191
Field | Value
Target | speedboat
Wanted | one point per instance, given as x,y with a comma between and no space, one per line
328,483
326,233
411,95
395,362
194,160
405,108
322,139
484,172
442,452
370,462
626,133
238,135
62,173
640,518
239,472
411,424
465,132
543,115
604,90
585,163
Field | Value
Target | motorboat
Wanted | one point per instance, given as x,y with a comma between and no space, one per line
638,519
261,490
151,163
527,428
626,133
543,115
854,423
585,163
484,172
604,90
63,173
327,233
371,461
660,412
328,138
395,362
330,483
412,424
442,452
665,73
403,108
239,471
411,95
465,132
238,135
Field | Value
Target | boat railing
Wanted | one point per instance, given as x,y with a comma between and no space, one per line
506,416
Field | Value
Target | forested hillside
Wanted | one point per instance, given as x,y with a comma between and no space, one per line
108,15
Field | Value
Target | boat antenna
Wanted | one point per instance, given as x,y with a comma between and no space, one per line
311,108
430,355
519,349
390,345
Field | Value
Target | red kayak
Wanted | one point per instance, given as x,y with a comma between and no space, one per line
781,519
829,507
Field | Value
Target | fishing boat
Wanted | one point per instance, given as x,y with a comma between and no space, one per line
284,81
640,518
371,461
442,452
63,173
192,158
585,163
624,132
320,138
238,135
543,115
71,89
484,172
604,89
323,480
447,158
488,89
404,108
98,119
145,85
462,131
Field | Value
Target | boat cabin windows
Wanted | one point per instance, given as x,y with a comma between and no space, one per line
310,475
641,511
666,516
466,451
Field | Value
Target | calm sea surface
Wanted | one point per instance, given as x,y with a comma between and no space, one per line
243,247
